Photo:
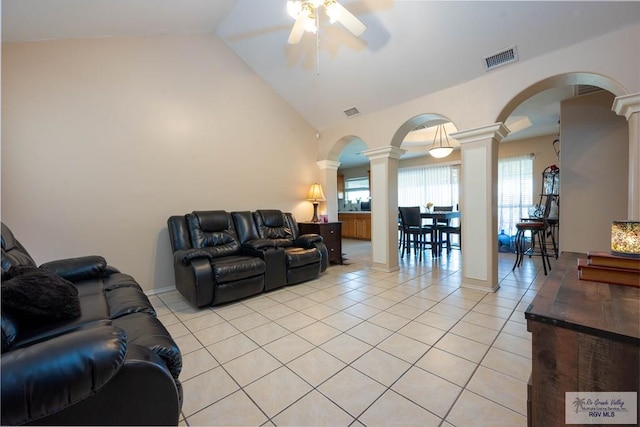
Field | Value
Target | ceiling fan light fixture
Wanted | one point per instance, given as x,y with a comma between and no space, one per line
438,149
333,10
305,12
294,7
310,23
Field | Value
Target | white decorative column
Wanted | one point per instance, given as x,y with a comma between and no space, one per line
384,207
330,187
479,205
629,107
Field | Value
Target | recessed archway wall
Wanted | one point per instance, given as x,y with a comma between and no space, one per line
479,108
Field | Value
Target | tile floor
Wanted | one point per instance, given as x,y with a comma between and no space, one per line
357,347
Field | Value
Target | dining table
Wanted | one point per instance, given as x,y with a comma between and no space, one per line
436,236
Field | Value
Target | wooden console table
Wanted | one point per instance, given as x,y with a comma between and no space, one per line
585,337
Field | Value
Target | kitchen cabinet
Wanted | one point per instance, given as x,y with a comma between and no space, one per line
340,186
355,225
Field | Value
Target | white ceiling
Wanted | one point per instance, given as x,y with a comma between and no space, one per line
410,48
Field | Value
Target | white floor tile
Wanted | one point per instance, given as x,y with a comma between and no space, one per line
381,349
316,366
500,388
474,410
234,410
448,366
427,390
346,348
277,390
231,348
381,366
313,410
251,366
352,390
394,410
203,390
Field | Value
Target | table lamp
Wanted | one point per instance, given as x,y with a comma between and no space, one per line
625,238
315,196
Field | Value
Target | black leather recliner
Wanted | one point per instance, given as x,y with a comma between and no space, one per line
306,255
209,263
108,360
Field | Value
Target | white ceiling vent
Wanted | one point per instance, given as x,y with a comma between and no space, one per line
503,57
350,112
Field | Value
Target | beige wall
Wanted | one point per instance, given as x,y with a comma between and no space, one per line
104,139
610,61
594,171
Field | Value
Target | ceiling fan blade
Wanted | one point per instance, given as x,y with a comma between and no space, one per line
298,30
352,23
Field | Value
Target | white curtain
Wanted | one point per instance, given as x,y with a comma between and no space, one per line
515,191
421,185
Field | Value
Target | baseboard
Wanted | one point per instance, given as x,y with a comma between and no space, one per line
160,290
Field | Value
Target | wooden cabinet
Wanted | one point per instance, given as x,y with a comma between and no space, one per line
340,186
356,225
331,233
585,338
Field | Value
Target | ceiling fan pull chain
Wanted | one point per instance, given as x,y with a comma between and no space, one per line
317,45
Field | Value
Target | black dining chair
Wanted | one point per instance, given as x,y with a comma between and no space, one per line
400,231
444,229
414,232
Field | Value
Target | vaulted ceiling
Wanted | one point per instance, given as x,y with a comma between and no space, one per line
410,48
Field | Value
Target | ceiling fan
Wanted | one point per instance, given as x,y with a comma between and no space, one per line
305,12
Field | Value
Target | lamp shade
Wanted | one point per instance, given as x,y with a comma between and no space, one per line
315,193
625,238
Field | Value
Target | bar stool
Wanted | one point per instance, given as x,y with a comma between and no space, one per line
536,228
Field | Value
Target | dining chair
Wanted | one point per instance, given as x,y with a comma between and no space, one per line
445,228
400,231
414,231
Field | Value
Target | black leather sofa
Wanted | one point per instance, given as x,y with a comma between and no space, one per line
221,257
210,265
305,255
81,345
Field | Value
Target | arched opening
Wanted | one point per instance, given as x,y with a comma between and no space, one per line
426,180
569,114
352,196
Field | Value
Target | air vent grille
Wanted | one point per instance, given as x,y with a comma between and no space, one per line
586,89
503,57
350,112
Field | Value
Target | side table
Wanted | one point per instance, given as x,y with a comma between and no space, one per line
331,233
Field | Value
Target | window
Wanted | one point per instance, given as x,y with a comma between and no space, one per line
356,189
421,185
515,191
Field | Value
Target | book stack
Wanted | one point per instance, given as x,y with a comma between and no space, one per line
607,268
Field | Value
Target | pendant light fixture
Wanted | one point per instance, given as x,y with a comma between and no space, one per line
438,149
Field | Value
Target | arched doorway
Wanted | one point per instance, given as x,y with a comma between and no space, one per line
385,245
354,201
578,109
